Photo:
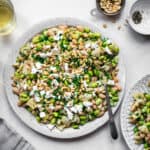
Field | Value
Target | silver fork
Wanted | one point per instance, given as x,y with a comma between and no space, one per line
113,129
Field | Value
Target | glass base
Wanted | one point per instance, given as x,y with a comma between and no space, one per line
8,29
11,24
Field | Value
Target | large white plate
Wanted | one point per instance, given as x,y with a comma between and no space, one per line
127,128
23,114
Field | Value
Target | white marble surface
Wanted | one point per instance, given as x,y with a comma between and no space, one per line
135,48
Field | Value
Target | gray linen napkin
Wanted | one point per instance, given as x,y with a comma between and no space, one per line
11,140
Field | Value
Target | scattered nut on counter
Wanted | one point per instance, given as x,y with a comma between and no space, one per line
119,27
110,6
105,26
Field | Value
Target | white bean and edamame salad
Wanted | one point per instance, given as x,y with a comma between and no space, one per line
59,76
140,117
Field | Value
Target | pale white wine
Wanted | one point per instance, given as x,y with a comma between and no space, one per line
7,17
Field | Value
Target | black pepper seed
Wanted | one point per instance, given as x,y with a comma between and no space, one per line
137,17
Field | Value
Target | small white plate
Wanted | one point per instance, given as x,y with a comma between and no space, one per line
126,127
27,117
143,6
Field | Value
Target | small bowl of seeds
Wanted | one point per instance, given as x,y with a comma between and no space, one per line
108,7
139,17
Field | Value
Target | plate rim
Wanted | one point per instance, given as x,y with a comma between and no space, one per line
23,39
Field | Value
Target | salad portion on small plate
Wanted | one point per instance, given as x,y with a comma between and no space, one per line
56,83
135,116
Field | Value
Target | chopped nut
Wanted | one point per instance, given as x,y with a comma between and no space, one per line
110,6
119,27
105,26
16,91
58,107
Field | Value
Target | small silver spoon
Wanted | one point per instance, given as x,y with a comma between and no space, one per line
113,129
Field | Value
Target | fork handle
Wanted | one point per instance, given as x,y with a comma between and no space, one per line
113,129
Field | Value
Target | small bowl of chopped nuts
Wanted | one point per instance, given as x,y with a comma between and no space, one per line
108,7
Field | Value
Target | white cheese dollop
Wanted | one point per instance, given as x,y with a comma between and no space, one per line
42,114
107,50
85,84
108,42
50,126
34,88
37,98
51,107
31,45
73,109
38,65
46,46
66,67
43,55
87,45
55,49
111,82
39,105
71,86
77,108
52,68
54,75
69,104
87,104
25,86
96,52
69,113
59,97
42,92
91,45
87,96
94,93
94,45
67,95
58,36
49,95
55,83
34,70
